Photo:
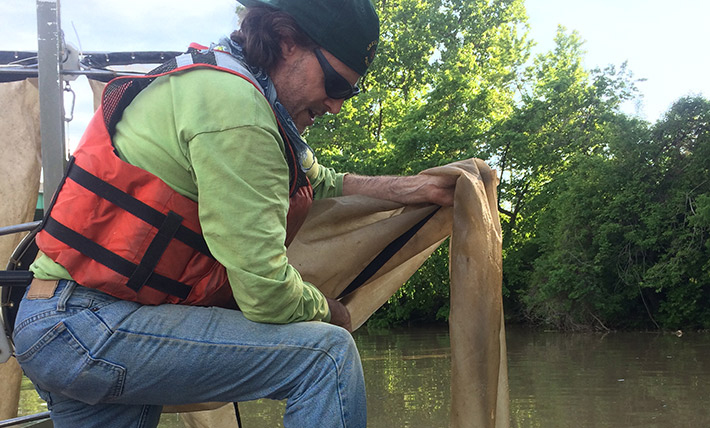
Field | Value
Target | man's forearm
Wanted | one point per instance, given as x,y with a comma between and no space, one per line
413,189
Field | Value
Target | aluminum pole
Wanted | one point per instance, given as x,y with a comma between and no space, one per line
51,100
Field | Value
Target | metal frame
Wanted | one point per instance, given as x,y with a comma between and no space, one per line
41,419
54,63
49,47
14,280
17,65
52,55
51,100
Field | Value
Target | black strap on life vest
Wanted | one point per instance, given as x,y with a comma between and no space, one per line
118,94
134,206
168,225
385,255
113,261
155,251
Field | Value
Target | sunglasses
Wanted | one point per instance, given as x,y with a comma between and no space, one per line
336,86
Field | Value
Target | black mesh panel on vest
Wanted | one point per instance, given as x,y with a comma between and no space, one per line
120,92
203,58
117,95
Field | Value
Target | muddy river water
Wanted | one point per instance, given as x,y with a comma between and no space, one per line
557,380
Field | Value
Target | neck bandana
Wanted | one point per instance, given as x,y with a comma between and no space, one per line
304,152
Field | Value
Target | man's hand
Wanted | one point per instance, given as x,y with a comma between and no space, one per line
339,314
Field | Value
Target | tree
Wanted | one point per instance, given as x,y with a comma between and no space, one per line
677,222
605,217
565,114
562,110
624,238
445,72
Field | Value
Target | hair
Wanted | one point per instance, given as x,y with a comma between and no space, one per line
260,34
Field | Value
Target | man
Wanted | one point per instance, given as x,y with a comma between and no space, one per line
186,188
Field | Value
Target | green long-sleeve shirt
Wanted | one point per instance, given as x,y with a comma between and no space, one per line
213,137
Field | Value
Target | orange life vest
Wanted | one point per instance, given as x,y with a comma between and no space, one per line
120,229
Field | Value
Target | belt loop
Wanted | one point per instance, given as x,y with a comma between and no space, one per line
64,296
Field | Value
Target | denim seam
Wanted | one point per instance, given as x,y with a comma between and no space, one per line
261,347
143,418
238,345
245,344
39,316
117,390
337,376
338,379
93,310
65,295
48,336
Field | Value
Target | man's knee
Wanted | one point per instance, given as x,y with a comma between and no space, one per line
336,338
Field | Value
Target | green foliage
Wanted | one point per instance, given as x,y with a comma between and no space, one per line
424,298
564,111
680,276
443,73
624,238
472,88
606,218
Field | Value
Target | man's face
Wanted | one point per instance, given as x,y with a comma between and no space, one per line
300,85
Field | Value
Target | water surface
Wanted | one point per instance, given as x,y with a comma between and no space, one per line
557,380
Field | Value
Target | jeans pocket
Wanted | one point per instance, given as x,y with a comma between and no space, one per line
58,362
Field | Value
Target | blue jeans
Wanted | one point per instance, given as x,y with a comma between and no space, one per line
103,362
